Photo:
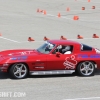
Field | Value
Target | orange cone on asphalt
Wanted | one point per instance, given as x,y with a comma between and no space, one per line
63,38
76,18
59,15
30,39
79,37
93,7
95,36
89,0
45,38
38,10
44,12
68,9
83,8
41,11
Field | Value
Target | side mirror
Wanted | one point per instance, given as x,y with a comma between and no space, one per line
58,54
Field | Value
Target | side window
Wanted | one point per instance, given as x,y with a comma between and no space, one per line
58,49
68,49
64,49
85,47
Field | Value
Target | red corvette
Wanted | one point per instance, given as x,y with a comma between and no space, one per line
53,57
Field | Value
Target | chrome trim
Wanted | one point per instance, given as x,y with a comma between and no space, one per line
95,65
39,67
51,72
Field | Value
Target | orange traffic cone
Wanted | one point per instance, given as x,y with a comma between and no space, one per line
59,15
68,9
79,37
63,38
83,8
0,34
88,0
44,12
41,11
30,39
38,10
93,7
45,38
95,36
76,17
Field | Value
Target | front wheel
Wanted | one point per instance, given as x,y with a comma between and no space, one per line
86,68
18,71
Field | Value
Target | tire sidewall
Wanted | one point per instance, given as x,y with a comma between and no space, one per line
79,72
12,73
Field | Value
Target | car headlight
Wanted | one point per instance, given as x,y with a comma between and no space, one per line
5,64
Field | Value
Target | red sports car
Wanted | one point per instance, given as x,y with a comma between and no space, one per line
53,57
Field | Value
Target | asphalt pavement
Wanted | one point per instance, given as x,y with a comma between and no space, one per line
19,20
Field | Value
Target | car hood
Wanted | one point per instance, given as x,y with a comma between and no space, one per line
18,52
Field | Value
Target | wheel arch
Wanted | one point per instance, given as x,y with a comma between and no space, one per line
16,63
84,61
91,73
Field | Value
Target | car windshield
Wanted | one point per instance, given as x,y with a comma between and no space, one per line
46,48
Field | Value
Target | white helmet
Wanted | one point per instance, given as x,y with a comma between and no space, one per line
67,48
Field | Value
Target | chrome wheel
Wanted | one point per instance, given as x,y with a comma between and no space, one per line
19,70
86,68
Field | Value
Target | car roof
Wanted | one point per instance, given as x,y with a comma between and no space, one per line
70,42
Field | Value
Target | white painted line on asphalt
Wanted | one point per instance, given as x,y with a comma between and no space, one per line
72,18
57,16
89,98
30,41
17,41
9,39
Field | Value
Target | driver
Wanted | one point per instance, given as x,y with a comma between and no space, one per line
59,49
67,50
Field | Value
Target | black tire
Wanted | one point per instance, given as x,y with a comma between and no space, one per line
86,68
18,71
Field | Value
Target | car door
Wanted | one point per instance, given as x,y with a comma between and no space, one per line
61,61
38,63
55,62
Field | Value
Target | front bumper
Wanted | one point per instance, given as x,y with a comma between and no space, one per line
3,69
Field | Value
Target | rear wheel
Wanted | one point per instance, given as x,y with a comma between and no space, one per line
86,68
18,71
